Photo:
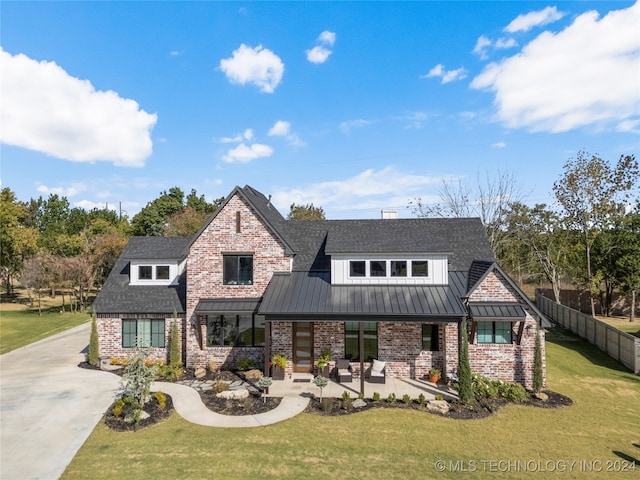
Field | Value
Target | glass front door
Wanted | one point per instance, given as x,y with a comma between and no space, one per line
303,347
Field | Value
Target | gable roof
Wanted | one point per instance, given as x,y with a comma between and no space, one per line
263,208
494,267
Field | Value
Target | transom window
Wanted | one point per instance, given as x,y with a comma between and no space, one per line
388,268
352,342
149,332
494,332
238,270
235,330
430,338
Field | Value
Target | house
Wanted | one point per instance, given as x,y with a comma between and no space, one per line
251,283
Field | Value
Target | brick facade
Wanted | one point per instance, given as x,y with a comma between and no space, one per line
204,274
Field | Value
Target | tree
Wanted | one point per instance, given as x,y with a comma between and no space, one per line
488,198
17,241
305,212
35,277
538,379
592,194
627,263
150,221
185,222
175,352
465,387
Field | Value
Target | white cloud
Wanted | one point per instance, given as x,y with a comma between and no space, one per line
348,125
446,75
503,43
482,44
47,110
89,205
244,154
328,38
70,191
259,66
283,129
527,21
246,135
415,119
318,54
176,53
499,145
369,190
584,75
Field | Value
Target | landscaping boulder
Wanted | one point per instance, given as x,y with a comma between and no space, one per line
253,375
359,403
234,394
438,406
542,396
200,372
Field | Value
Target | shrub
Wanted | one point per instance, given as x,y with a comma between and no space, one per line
219,387
465,390
93,356
406,399
213,366
422,399
175,350
514,392
361,396
137,378
438,397
327,405
169,372
346,396
376,396
537,365
117,408
162,400
391,398
245,364
115,361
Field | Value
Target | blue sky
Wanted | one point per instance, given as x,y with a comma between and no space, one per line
353,106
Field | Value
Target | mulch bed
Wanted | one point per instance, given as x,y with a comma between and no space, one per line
477,410
246,406
156,414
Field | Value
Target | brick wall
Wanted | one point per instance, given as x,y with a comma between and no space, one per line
204,272
110,335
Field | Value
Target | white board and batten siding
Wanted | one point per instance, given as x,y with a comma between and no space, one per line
438,272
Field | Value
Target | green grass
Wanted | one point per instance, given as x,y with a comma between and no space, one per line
623,323
602,425
20,326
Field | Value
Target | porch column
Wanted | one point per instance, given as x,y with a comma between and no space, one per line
267,347
361,348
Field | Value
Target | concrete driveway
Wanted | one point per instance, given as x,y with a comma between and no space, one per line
49,406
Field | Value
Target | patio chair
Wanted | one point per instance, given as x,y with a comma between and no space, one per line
377,373
344,373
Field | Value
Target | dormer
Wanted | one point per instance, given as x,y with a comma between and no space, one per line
155,272
389,269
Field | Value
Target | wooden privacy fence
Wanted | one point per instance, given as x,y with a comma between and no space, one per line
621,346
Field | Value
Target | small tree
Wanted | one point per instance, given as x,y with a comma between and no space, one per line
93,357
321,382
175,353
264,383
465,388
537,364
137,379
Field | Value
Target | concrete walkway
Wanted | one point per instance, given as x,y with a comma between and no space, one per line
49,406
189,406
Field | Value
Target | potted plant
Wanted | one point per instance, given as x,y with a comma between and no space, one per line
278,364
434,375
324,363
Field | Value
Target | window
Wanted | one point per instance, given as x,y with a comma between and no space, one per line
351,341
149,332
235,330
398,268
430,338
357,268
494,332
162,272
145,272
419,268
378,268
238,270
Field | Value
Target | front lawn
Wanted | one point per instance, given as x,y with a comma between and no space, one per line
20,326
600,431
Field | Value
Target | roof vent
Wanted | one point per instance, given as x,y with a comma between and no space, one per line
389,214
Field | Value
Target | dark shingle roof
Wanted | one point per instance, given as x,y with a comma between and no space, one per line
158,248
463,239
117,296
310,294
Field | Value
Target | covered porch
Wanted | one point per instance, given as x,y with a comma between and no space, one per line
302,384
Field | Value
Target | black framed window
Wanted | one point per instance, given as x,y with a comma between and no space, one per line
352,343
238,270
145,272
398,268
162,272
357,268
235,330
149,332
378,268
419,268
494,332
430,338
